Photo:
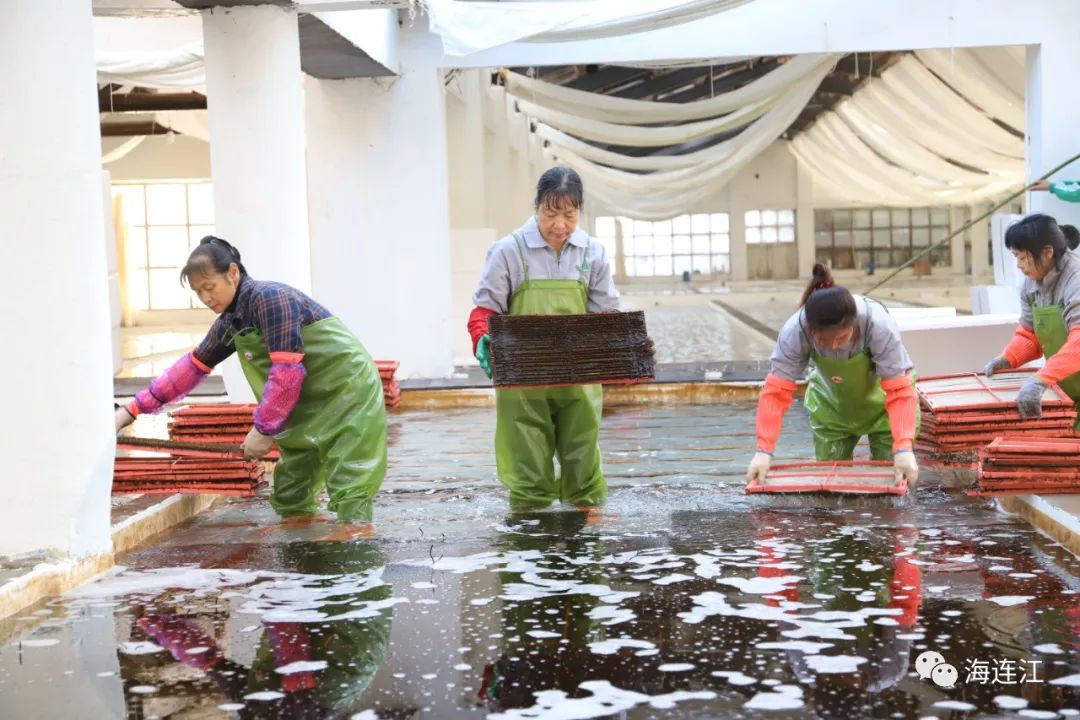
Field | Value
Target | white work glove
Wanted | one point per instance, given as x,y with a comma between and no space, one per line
995,365
122,418
256,444
759,466
904,466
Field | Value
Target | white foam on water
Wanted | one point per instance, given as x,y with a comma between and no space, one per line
800,645
885,621
197,650
37,642
426,601
543,634
106,673
834,664
265,695
301,666
1049,649
954,705
911,636
480,602
468,563
231,707
611,614
612,645
121,581
782,697
1068,712
760,585
422,585
605,700
1038,714
1010,702
867,566
143,689
1068,680
676,667
463,667
140,647
1010,600
937,588
734,677
365,715
672,579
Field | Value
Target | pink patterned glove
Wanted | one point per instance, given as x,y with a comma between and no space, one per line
281,393
173,384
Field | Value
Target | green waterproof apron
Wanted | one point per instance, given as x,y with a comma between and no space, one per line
1049,326
336,434
533,425
845,401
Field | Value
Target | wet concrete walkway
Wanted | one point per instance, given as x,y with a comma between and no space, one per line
682,598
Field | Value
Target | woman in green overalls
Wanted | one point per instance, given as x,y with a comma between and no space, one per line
320,396
1049,310
860,383
548,266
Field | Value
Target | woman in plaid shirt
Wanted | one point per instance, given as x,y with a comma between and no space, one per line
320,396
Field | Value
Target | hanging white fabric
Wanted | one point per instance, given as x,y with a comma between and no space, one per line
469,27
967,74
182,67
193,123
625,110
122,149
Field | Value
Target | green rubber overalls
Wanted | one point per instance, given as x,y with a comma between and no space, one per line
845,401
535,424
336,434
1048,324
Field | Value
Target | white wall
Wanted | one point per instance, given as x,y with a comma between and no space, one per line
156,158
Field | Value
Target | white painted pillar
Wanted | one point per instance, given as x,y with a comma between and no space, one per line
1052,108
957,218
980,244
380,217
737,226
804,221
58,440
255,99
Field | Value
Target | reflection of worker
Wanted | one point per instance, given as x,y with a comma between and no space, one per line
1049,310
1067,190
860,383
321,396
328,664
548,266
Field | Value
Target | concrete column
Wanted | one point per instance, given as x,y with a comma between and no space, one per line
957,218
255,98
980,243
377,164
58,441
737,223
1052,108
804,221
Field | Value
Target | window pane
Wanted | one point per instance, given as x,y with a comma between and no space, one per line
900,217
786,217
699,223
721,263
823,239
881,218
862,258
607,242
861,238
628,245
701,244
719,223
753,235
768,217
644,245
661,228
701,263
137,290
630,267
197,233
644,266
166,205
939,216
920,217
787,233
842,219
769,234
752,218
938,234
642,227
882,258
168,247
681,245
662,265
682,264
920,237
882,237
901,237
662,245
132,207
627,225
605,226
824,219
166,292
135,245
721,243
201,203
681,225
861,219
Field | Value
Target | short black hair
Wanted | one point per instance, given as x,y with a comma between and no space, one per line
558,185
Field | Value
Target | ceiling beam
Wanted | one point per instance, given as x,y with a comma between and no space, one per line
151,101
663,82
607,77
724,83
128,128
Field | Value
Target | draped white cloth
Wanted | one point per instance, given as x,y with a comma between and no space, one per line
901,139
181,67
625,110
189,122
469,27
965,72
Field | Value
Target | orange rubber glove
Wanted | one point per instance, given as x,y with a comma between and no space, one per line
1023,348
478,324
901,404
1065,361
775,399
